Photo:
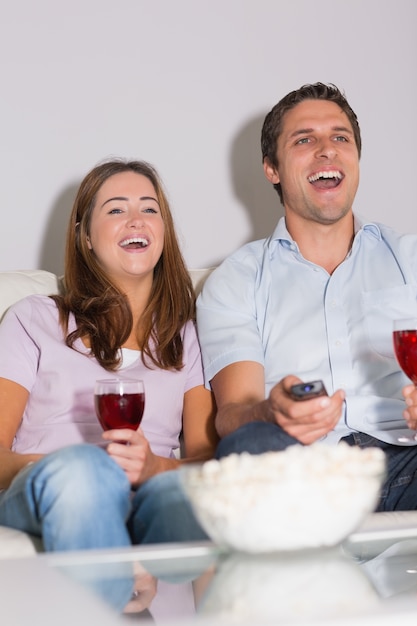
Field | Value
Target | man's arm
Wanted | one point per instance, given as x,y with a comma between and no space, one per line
239,390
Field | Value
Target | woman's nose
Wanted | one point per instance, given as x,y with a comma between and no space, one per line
134,219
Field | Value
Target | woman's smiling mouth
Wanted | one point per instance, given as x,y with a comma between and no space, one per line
135,242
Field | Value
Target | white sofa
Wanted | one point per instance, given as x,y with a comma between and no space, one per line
14,285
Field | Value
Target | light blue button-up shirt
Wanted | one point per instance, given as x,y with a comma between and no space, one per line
266,303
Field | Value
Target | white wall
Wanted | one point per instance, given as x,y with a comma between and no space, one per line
186,84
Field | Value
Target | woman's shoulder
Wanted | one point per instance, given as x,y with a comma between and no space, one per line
34,302
34,306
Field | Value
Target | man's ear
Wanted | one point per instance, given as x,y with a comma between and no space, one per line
271,172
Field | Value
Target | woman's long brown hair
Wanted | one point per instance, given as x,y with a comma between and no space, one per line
101,310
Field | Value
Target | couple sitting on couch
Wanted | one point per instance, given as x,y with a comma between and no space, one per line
317,298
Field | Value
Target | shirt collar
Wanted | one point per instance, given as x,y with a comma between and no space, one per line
282,235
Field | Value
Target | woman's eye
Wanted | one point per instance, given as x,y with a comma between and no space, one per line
115,211
150,210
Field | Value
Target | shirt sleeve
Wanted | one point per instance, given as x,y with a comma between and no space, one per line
19,352
227,319
192,357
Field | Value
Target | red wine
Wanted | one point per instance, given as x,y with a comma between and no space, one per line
405,345
120,411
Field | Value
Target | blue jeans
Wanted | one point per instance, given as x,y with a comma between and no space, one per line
399,492
78,498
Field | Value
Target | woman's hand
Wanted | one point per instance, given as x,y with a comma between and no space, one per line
410,413
131,451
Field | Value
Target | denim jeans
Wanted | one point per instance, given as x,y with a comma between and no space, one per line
78,498
399,492
255,438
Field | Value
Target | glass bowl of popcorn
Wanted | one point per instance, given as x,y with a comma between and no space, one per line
303,497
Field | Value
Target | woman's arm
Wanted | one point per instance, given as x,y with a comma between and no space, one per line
13,399
199,433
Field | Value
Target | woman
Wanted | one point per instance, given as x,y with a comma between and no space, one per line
128,309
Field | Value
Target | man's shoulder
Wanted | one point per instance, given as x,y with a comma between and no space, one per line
252,252
402,246
395,238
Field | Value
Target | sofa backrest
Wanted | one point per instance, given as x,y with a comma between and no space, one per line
18,284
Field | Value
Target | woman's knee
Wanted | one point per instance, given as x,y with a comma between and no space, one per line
80,471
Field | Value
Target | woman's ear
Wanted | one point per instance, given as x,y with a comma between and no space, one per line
90,247
271,172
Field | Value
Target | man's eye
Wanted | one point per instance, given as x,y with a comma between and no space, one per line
341,138
303,140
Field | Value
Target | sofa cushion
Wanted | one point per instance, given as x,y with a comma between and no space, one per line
18,284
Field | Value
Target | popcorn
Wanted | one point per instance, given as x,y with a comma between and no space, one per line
302,497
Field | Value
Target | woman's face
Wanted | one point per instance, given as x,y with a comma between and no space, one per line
127,230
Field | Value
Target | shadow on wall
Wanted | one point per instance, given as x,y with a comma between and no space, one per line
257,195
53,245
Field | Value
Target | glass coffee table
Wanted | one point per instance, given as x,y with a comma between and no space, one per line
371,579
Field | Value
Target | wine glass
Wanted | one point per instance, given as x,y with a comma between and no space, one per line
119,402
405,347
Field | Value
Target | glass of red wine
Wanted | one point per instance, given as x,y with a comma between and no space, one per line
119,402
405,346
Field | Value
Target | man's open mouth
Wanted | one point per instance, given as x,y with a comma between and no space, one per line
326,179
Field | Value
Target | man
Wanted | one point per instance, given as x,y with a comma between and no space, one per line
316,300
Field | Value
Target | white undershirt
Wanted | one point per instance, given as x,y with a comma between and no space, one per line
129,356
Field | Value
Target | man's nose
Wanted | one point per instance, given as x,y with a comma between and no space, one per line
326,148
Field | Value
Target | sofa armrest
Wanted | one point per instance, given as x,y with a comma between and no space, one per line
15,544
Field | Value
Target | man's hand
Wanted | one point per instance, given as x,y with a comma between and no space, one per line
239,389
308,420
410,413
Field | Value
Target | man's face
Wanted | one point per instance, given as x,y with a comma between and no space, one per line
318,162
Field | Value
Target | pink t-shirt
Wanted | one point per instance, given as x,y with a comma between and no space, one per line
60,380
